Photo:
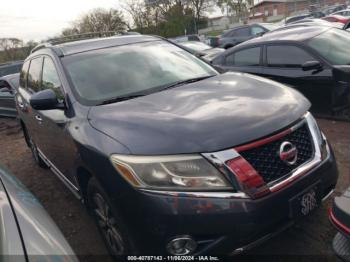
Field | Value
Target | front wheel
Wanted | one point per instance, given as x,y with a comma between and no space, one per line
109,223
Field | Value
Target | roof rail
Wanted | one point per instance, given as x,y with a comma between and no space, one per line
77,37
40,46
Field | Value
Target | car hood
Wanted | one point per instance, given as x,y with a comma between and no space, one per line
206,116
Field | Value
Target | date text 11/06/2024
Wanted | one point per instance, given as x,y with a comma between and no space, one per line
172,258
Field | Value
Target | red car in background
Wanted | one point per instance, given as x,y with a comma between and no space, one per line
337,18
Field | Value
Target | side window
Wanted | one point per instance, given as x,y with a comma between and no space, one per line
50,79
24,74
246,57
245,31
287,56
34,74
257,30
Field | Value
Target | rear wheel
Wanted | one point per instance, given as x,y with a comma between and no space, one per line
109,223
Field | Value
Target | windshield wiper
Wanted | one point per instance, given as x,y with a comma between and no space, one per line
188,81
178,83
119,99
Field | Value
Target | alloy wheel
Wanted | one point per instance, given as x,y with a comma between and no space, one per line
107,224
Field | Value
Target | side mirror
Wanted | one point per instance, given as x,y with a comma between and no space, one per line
311,65
45,100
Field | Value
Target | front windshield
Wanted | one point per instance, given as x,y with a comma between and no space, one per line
101,75
333,45
196,46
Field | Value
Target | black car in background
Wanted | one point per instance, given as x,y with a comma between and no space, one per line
170,156
243,33
10,68
312,59
8,87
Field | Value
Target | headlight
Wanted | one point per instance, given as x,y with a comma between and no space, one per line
178,172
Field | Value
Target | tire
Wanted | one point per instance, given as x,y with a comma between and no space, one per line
33,148
110,225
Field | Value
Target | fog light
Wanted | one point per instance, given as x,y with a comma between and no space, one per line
181,245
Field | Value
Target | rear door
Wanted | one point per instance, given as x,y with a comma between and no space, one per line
247,60
283,63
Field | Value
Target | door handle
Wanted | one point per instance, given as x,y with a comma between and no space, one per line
38,118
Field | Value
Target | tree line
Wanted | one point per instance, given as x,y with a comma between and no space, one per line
12,49
167,18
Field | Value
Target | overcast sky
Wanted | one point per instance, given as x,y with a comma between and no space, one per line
40,19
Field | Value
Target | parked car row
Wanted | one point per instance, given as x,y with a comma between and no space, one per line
231,37
312,59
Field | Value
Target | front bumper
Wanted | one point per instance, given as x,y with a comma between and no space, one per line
220,225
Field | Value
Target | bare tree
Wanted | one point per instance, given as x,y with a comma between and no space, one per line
198,7
97,20
239,7
11,48
142,14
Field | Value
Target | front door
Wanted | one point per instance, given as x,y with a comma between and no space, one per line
57,144
284,64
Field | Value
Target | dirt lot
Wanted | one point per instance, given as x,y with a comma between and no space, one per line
309,240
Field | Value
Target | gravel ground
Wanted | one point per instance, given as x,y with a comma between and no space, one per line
309,239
